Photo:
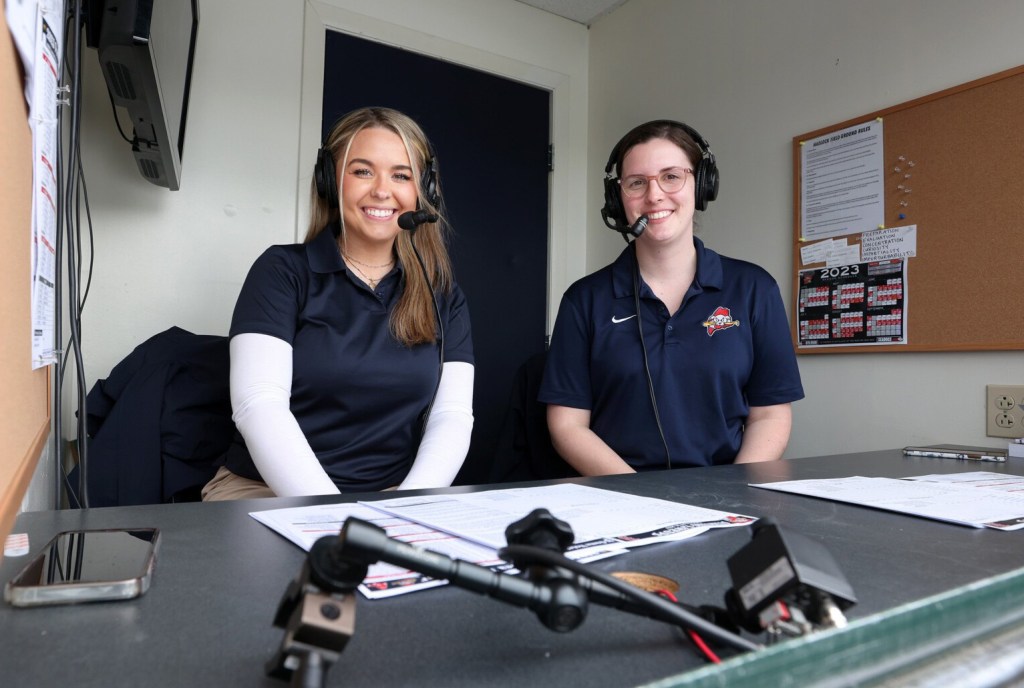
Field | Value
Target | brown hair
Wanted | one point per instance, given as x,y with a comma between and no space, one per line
658,129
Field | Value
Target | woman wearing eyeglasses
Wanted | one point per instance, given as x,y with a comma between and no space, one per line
672,356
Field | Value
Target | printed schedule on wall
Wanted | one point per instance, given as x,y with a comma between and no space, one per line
853,305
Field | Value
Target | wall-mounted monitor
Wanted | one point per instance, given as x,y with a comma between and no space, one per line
146,50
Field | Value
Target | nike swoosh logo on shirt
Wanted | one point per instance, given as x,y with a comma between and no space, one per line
618,320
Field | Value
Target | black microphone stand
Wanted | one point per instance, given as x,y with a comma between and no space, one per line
317,610
318,607
318,613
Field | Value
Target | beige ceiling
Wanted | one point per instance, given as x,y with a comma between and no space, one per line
581,11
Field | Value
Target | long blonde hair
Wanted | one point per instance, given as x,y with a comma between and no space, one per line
412,321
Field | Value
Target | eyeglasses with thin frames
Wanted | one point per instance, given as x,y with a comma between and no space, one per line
670,181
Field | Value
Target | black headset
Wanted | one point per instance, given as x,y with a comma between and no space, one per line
327,181
705,177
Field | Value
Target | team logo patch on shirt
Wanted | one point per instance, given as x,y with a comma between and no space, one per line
721,319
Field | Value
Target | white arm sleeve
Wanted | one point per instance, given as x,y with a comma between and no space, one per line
261,386
446,438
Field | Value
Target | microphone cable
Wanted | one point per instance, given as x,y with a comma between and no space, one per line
694,636
647,366
69,198
657,606
410,222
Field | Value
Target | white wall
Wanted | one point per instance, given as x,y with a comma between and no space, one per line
750,75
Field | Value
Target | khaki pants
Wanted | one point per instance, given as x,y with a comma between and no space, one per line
226,485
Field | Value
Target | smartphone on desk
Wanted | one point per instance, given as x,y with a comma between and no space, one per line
87,566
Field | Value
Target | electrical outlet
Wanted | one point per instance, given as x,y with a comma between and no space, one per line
1004,411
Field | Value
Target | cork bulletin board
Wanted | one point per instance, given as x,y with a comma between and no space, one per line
25,402
953,167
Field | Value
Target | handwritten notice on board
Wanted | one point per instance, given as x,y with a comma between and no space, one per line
842,187
891,243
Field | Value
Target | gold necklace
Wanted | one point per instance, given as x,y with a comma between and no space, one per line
369,280
367,265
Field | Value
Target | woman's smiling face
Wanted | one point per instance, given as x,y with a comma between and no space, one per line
670,215
377,186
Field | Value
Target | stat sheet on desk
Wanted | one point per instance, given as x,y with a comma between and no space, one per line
306,524
599,518
957,502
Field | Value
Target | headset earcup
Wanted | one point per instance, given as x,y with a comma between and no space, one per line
710,180
700,201
325,178
428,180
613,209
705,183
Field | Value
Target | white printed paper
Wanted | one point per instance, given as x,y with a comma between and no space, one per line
841,185
953,502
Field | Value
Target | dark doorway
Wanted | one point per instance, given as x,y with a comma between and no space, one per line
491,137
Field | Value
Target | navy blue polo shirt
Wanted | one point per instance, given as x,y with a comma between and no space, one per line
357,393
727,348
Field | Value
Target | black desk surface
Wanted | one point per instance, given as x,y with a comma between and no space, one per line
207,619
